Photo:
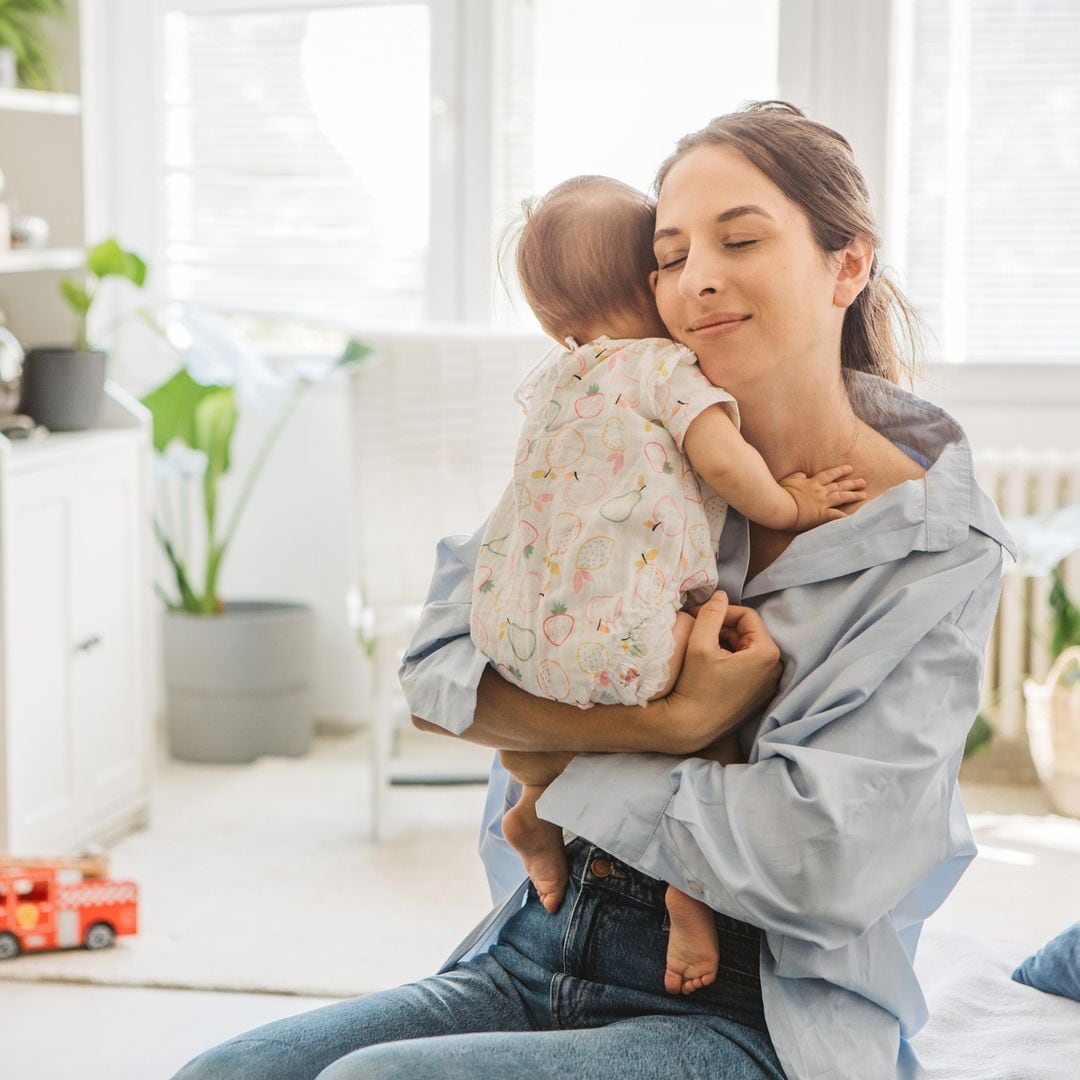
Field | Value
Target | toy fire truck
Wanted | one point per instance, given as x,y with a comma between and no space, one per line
63,903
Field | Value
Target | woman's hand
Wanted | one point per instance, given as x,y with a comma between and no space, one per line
535,767
731,670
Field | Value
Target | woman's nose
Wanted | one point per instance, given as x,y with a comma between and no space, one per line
698,278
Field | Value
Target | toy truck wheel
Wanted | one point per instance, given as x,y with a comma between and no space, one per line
100,936
9,946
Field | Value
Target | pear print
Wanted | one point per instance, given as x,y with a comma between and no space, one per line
549,414
583,489
497,545
564,449
522,640
553,681
621,507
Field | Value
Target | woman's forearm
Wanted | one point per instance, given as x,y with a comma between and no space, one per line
509,718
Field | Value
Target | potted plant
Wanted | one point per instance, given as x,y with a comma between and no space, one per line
20,32
63,385
238,673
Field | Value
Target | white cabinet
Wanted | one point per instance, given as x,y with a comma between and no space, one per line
76,714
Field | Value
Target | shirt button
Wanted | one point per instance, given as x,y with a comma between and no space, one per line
695,888
600,868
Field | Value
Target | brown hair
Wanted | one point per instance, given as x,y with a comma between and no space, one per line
585,253
815,168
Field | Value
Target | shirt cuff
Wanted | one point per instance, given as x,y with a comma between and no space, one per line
589,799
440,687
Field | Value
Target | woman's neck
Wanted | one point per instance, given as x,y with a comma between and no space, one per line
801,429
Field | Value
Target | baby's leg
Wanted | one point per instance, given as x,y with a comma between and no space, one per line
540,845
693,951
684,623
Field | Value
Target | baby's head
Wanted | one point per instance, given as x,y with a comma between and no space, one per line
584,259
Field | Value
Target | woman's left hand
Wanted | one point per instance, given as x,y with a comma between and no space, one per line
535,768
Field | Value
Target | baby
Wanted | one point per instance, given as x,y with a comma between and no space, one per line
608,532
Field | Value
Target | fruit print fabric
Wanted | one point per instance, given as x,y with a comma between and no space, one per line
605,532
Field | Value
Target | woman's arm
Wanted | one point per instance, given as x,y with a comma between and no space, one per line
845,805
451,689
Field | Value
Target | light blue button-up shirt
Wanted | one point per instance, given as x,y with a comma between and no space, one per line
845,828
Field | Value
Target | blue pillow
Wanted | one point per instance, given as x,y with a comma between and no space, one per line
1055,968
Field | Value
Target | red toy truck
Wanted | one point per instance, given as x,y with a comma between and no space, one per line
62,903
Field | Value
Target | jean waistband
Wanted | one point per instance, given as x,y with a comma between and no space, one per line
591,865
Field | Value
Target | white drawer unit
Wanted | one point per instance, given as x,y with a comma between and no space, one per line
76,634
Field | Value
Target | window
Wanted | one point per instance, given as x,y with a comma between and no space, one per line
357,162
989,167
296,158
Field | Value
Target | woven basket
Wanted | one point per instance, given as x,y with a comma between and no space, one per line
1053,723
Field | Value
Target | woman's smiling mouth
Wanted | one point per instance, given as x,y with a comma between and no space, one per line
712,325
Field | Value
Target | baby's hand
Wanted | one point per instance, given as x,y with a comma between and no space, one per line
818,497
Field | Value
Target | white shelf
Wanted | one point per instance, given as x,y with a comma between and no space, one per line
39,101
24,260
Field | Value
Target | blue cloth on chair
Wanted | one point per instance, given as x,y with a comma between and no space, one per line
1055,968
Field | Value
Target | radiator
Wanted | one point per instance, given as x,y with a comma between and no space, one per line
1024,482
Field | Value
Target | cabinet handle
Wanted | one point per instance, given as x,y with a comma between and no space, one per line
88,644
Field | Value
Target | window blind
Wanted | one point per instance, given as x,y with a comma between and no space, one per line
296,160
993,179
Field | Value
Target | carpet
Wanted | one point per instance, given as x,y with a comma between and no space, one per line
262,878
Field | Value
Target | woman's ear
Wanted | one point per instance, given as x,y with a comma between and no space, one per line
652,280
853,271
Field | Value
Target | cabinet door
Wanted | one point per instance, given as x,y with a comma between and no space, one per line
108,721
40,766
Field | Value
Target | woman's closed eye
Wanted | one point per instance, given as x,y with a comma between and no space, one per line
739,245
669,262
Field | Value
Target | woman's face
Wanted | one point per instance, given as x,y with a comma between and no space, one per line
741,280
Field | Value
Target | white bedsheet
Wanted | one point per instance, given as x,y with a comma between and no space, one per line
984,1026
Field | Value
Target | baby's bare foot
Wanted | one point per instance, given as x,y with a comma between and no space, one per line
693,951
540,845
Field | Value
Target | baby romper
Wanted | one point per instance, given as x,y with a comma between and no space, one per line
605,532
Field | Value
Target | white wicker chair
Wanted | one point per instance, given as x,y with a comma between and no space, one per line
435,427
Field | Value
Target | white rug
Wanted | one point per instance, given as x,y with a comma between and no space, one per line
261,878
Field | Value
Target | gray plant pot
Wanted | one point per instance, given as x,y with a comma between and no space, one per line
63,389
239,684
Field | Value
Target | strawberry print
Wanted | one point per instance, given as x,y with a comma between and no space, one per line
558,626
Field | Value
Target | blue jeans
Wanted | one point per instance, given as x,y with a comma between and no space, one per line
575,994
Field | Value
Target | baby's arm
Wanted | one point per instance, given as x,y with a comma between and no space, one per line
739,475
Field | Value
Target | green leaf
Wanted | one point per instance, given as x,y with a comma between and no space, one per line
355,351
109,259
1066,618
215,422
75,295
173,406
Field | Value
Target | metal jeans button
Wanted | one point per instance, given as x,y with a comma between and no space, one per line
600,868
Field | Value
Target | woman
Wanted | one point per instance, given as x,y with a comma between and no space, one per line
821,855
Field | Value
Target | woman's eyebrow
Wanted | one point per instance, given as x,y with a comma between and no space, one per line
721,219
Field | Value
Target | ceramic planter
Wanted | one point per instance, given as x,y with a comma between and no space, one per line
239,684
62,388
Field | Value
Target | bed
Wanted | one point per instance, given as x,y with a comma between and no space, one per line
984,1026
